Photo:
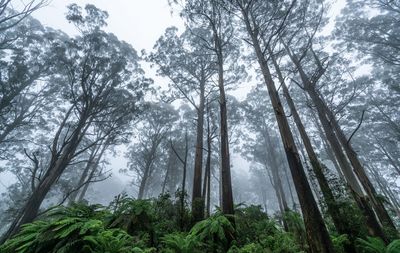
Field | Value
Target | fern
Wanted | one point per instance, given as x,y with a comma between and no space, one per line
214,231
70,230
393,247
181,243
376,245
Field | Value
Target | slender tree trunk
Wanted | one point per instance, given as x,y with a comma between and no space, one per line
317,167
182,197
207,186
278,197
385,189
392,161
197,197
56,168
294,204
379,208
91,175
328,148
84,175
356,190
167,173
272,156
226,181
317,234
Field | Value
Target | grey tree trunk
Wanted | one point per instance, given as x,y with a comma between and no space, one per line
317,234
197,197
354,185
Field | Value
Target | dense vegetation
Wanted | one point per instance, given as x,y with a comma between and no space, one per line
154,225
267,126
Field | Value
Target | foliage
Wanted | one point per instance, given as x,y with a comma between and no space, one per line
147,226
376,245
339,243
252,222
216,231
73,229
181,243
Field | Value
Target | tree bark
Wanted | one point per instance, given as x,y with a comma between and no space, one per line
372,223
317,167
167,173
84,175
379,208
317,234
147,168
226,181
91,175
197,197
56,168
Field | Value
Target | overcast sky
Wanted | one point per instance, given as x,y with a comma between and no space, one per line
139,22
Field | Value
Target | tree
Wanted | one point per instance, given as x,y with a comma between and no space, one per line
11,16
101,75
154,130
211,17
261,32
264,146
183,60
338,140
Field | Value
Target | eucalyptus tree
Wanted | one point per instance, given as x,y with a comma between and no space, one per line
25,69
189,68
263,146
103,85
299,44
371,32
154,129
211,16
262,31
12,13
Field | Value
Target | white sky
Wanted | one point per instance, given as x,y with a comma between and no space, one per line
139,22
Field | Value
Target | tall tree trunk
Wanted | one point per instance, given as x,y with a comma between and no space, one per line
317,166
278,197
391,160
167,173
182,197
289,185
377,203
226,181
272,156
355,188
207,186
385,189
197,197
317,234
92,172
84,175
328,148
